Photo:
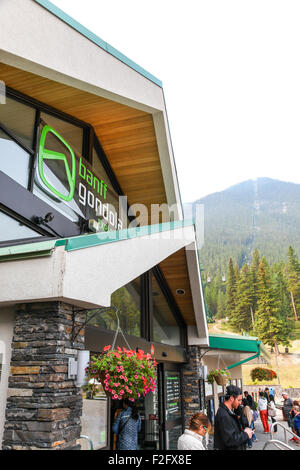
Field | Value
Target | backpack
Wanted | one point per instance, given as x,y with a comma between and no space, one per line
271,411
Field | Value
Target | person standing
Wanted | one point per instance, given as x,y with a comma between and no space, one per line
267,394
228,434
262,407
249,399
192,439
127,426
287,407
248,414
272,411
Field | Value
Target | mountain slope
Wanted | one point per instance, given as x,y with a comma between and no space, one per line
262,213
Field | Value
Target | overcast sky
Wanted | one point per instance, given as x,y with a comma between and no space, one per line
231,76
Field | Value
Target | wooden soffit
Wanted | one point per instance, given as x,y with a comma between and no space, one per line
175,271
126,134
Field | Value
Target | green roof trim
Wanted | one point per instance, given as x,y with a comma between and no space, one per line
39,249
96,40
234,343
30,250
95,239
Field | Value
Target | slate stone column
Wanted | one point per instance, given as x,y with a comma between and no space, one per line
190,382
43,406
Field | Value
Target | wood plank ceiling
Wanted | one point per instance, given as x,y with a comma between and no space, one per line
127,135
128,139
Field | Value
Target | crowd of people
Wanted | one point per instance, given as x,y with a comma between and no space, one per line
234,426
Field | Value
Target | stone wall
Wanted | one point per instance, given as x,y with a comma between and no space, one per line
43,406
190,382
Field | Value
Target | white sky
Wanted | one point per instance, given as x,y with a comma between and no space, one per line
231,76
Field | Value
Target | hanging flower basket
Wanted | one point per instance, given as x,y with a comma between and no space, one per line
222,380
221,376
124,373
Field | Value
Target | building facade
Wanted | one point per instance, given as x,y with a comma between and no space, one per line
92,237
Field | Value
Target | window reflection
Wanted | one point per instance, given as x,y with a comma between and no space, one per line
14,161
128,302
19,119
72,134
11,229
165,327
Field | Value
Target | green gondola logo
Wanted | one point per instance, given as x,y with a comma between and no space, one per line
46,154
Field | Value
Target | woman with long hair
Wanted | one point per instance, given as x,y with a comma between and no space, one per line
127,426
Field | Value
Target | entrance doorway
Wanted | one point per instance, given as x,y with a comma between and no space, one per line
161,412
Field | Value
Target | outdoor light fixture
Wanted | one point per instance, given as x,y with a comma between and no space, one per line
180,291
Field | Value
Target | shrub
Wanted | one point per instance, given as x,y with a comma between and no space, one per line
261,374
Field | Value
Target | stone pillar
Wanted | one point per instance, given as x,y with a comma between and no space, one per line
190,385
43,407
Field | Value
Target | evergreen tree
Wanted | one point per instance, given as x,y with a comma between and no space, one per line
241,318
230,290
293,275
282,307
268,324
221,309
254,279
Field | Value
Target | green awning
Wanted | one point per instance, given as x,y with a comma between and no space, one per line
242,344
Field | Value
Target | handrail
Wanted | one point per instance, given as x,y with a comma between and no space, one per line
285,431
88,439
277,444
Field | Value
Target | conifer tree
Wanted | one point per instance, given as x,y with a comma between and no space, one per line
254,280
230,290
268,324
241,318
293,275
221,309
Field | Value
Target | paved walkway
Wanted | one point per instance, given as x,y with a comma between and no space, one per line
263,438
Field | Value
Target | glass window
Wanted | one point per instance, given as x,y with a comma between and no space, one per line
172,437
72,134
14,161
11,229
112,196
128,301
18,118
94,415
165,327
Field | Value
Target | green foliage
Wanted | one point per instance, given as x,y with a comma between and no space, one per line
123,373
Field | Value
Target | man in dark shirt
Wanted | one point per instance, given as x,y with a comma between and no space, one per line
228,432
287,406
249,399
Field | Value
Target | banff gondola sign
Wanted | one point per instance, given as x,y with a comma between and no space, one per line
69,179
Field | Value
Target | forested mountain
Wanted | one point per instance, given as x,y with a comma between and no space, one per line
250,258
262,214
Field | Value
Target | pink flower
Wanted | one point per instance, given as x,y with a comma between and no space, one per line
131,399
115,397
107,348
113,392
136,376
